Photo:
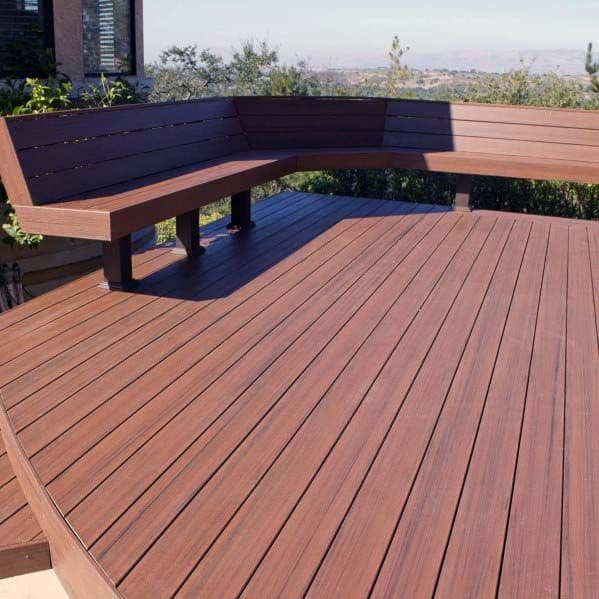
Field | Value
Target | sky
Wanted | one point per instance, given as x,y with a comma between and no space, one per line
359,32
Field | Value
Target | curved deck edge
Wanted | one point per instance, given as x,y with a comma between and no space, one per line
79,573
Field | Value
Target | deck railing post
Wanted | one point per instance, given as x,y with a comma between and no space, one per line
463,193
188,234
118,269
241,211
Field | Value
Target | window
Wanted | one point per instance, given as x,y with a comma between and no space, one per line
26,38
108,37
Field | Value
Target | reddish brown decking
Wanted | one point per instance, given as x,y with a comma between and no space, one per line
23,546
358,397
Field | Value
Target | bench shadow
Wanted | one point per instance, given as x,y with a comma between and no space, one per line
232,261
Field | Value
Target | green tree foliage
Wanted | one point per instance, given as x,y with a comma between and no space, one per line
251,68
398,72
292,81
592,69
522,87
183,73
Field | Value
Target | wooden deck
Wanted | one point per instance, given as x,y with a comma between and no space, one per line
357,398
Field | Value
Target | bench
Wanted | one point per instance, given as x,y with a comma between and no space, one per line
105,173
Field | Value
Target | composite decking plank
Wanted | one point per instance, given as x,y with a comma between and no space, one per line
418,395
279,339
594,265
6,471
89,283
580,532
38,345
67,297
48,302
473,556
175,353
89,292
531,562
170,329
139,508
415,554
141,309
217,496
21,527
297,468
227,474
69,336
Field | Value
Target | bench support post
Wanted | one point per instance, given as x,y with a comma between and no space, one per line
463,193
118,269
241,212
188,234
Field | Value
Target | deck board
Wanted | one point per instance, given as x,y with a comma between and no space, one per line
358,398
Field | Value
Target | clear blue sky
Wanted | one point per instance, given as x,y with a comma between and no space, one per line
351,31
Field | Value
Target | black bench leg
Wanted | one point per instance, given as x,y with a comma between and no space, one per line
118,269
241,212
188,234
463,193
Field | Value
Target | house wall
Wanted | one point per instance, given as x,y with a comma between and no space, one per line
68,40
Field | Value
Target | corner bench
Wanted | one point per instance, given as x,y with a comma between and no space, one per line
105,173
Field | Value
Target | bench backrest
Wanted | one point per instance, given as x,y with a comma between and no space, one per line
75,152
490,129
57,156
312,122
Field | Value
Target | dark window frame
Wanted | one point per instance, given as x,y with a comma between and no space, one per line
48,41
132,33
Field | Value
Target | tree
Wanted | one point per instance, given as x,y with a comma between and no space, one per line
251,67
398,72
183,73
293,81
592,69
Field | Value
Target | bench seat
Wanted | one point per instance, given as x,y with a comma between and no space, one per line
121,209
124,208
104,174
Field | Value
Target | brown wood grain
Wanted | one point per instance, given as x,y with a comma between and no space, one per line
414,557
473,558
105,174
531,561
358,397
580,540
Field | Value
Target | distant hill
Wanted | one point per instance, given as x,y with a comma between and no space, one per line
567,62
